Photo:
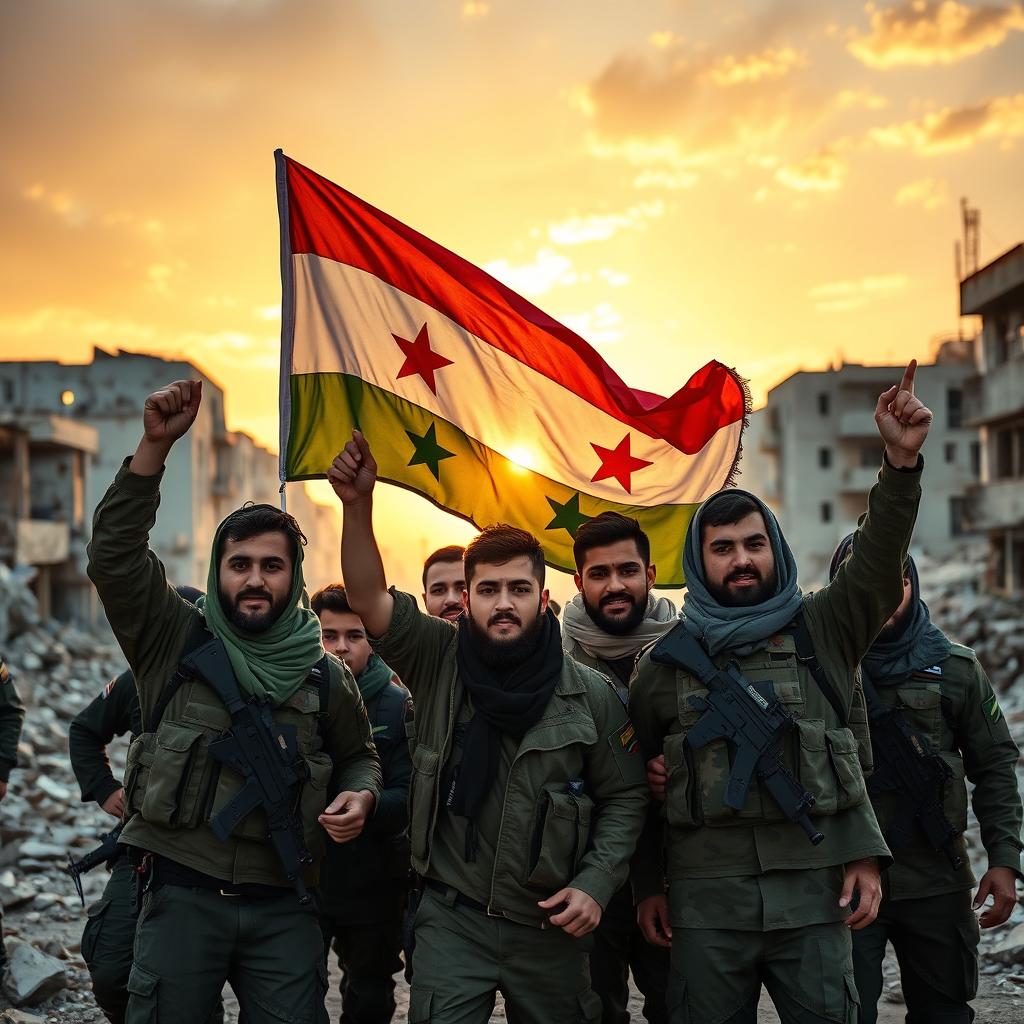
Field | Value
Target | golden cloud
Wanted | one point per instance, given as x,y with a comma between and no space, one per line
926,193
956,128
841,296
822,172
598,227
754,67
924,33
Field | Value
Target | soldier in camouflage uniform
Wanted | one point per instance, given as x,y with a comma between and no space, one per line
750,901
605,626
215,909
943,694
12,715
527,793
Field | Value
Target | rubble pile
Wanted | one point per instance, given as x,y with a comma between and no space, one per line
57,670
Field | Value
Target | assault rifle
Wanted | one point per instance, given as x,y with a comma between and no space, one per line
103,854
266,755
906,765
749,716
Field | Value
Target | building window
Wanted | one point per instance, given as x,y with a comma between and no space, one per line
954,408
870,455
1003,455
950,451
8,386
976,459
824,458
823,404
826,511
958,516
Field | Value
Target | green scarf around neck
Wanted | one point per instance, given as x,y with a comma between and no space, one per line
271,665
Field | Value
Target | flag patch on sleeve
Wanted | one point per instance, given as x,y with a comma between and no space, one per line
107,689
627,739
992,709
4,674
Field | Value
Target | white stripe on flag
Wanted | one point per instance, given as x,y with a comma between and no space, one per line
344,321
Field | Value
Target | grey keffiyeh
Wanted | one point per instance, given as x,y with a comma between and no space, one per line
577,625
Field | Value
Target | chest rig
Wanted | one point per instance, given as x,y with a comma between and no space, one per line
818,749
184,773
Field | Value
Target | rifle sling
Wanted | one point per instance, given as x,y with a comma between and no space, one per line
809,659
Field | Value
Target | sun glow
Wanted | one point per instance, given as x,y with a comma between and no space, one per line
522,458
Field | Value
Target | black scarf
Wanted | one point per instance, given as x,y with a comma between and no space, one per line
505,702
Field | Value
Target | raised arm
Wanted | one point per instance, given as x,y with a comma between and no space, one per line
868,586
148,618
353,475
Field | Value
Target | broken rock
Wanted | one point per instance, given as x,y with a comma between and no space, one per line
32,975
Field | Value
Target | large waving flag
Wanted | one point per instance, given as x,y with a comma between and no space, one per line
472,396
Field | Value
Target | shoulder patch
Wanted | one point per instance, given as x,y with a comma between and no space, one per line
108,689
992,709
4,674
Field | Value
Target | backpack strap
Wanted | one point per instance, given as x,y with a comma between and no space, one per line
807,657
198,635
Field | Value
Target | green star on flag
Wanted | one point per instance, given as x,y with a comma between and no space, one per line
427,452
568,516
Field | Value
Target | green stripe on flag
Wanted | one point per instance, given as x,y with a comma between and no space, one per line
431,456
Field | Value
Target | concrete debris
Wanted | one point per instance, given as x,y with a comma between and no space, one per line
20,1017
1010,948
32,975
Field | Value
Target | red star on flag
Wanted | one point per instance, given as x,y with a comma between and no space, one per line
420,358
617,462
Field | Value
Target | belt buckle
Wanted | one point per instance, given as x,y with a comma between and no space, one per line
230,895
493,913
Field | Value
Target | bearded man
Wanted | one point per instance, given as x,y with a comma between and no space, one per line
612,618
527,792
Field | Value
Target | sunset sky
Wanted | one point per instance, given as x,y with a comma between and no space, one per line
774,185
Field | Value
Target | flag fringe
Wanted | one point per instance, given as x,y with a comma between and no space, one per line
748,408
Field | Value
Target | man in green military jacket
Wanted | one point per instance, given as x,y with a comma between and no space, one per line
12,715
750,901
605,626
224,910
527,792
943,695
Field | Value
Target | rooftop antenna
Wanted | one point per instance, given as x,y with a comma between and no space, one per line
971,218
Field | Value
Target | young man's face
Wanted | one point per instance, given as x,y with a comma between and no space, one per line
445,584
896,619
255,579
504,601
739,565
615,585
344,637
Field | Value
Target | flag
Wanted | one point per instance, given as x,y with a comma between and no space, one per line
470,395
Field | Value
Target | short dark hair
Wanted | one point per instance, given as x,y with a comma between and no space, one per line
607,528
252,519
498,544
726,508
331,598
451,553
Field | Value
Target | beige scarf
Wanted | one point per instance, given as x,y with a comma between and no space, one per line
578,626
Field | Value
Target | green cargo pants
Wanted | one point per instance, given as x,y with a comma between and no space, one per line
717,975
108,940
936,943
190,941
463,957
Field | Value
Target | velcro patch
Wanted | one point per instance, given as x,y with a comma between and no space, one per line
628,740
992,709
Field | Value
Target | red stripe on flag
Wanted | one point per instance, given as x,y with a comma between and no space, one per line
326,220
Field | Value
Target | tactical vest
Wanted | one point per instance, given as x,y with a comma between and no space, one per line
920,698
823,751
172,782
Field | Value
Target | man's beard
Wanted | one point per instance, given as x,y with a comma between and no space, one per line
617,626
259,623
751,595
505,654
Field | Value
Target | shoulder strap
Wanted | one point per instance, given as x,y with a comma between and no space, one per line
809,659
198,635
320,677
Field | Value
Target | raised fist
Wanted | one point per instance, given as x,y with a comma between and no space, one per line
170,412
354,470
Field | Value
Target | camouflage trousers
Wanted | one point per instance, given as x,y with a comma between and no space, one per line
717,975
936,943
